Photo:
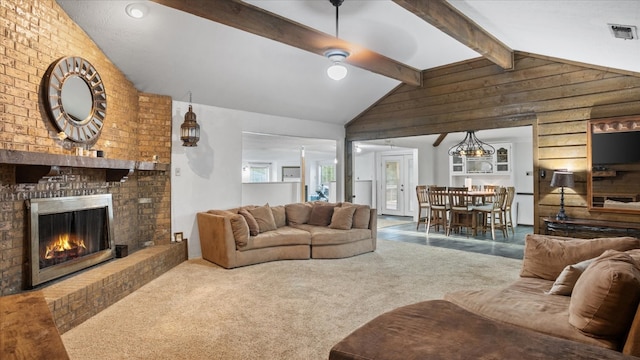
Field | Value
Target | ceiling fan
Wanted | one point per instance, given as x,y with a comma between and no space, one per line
250,18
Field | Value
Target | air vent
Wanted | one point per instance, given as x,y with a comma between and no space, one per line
626,32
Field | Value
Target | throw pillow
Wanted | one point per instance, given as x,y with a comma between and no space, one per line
342,218
279,215
567,279
606,296
635,254
254,229
264,218
298,213
320,215
361,217
240,230
545,256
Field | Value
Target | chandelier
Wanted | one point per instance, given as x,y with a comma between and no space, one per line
471,146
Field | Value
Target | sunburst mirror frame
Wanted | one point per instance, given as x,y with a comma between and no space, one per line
62,79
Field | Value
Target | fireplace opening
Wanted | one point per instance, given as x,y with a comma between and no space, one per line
69,234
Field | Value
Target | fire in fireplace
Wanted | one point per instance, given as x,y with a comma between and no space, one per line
69,234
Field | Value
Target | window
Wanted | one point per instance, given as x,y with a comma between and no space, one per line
256,172
327,173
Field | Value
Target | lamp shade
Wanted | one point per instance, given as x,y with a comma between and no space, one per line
562,179
337,71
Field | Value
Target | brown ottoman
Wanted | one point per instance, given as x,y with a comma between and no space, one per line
439,329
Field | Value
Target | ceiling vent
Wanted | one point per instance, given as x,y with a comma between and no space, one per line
626,32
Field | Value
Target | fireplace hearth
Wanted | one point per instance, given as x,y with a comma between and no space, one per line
69,234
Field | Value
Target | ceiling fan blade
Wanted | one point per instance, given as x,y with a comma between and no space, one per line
260,22
452,22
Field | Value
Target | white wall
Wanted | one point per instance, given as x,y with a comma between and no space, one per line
274,193
211,173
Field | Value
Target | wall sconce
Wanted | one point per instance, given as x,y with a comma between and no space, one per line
190,130
562,179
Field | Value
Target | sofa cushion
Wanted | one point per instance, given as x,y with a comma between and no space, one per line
525,304
567,279
322,235
221,212
264,218
320,215
279,215
342,218
254,229
240,229
280,237
606,296
545,256
298,213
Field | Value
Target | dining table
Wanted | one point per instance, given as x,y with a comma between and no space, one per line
478,197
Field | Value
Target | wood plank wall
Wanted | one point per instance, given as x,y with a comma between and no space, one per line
556,97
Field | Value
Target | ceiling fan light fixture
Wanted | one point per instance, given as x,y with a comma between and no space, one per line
337,71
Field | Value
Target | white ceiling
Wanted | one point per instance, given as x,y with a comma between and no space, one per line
171,53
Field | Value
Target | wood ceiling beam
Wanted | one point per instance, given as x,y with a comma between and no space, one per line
452,22
249,18
439,139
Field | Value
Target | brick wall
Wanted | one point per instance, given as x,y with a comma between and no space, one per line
34,34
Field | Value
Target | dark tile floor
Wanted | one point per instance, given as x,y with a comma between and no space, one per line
511,247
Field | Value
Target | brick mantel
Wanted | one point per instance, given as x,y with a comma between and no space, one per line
32,166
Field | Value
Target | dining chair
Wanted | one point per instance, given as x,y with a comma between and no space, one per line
493,215
423,205
507,213
490,188
461,213
438,200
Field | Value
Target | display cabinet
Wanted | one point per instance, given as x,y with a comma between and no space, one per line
499,163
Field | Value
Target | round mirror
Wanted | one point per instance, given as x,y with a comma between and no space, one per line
75,98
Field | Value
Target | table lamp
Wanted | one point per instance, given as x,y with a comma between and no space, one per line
562,179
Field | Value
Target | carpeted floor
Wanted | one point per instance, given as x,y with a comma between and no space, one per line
278,310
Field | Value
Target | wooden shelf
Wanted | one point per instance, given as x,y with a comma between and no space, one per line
31,166
604,173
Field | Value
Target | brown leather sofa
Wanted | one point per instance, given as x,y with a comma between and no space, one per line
575,299
255,234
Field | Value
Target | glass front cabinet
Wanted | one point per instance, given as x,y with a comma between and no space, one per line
457,165
499,163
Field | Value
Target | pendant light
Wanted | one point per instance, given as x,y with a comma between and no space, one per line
337,71
190,130
471,146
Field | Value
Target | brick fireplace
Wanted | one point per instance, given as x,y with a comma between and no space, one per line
140,205
136,128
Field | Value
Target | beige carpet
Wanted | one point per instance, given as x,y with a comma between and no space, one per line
278,310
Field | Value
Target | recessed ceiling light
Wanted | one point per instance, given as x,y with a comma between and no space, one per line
137,10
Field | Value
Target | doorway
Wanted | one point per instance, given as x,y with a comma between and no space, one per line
396,182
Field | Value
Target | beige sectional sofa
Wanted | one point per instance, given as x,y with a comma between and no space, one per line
571,291
255,234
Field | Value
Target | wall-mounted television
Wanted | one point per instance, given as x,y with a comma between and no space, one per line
615,148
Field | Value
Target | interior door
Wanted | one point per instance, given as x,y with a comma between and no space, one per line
396,185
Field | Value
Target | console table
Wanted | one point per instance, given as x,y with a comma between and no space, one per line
571,227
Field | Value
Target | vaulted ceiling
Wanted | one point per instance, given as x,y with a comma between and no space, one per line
217,55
